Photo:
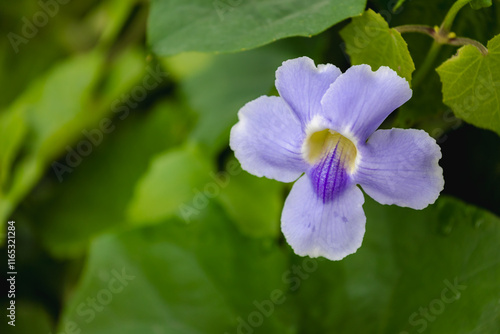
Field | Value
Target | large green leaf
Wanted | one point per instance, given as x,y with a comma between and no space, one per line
177,26
471,86
369,40
416,271
432,270
202,277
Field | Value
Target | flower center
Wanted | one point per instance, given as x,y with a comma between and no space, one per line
333,159
320,144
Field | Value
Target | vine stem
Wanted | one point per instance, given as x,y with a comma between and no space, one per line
427,64
452,13
423,29
437,34
467,41
441,35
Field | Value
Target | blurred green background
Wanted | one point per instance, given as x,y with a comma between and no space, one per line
133,216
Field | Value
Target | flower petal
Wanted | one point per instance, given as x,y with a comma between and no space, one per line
401,167
302,85
330,176
333,229
267,139
360,100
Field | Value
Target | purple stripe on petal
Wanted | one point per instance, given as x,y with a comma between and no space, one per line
329,177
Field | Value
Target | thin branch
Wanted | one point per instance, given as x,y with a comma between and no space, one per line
467,41
452,13
422,29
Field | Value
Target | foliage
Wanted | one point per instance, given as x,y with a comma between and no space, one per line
235,25
369,40
470,85
133,216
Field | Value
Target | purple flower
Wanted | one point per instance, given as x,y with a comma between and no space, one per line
324,124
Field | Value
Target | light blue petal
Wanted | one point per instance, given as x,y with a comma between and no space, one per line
360,100
302,85
268,138
333,229
401,167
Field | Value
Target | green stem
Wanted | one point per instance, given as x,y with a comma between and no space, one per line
423,29
459,41
440,37
452,13
398,4
427,64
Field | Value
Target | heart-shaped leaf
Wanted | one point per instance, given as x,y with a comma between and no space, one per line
369,40
471,85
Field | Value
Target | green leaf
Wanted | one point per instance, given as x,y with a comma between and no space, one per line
94,195
128,72
471,87
179,278
478,4
436,261
177,26
173,178
398,5
48,114
12,132
405,269
116,13
369,40
426,109
254,204
56,113
49,106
